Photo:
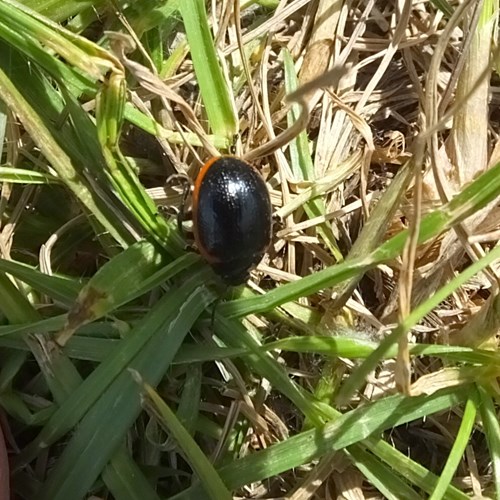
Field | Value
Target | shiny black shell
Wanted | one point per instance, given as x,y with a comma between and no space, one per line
231,217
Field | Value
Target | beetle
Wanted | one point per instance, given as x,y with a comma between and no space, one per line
232,217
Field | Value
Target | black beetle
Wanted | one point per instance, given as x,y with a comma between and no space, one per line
232,217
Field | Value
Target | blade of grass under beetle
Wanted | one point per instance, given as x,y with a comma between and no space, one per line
210,480
213,87
107,421
348,429
475,196
82,398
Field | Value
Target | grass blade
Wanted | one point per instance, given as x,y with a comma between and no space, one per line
213,87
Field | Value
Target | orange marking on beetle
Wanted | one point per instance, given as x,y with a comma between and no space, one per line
211,259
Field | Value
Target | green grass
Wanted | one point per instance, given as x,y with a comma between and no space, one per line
129,371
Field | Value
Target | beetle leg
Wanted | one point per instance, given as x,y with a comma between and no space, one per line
184,181
183,213
276,223
175,179
168,211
